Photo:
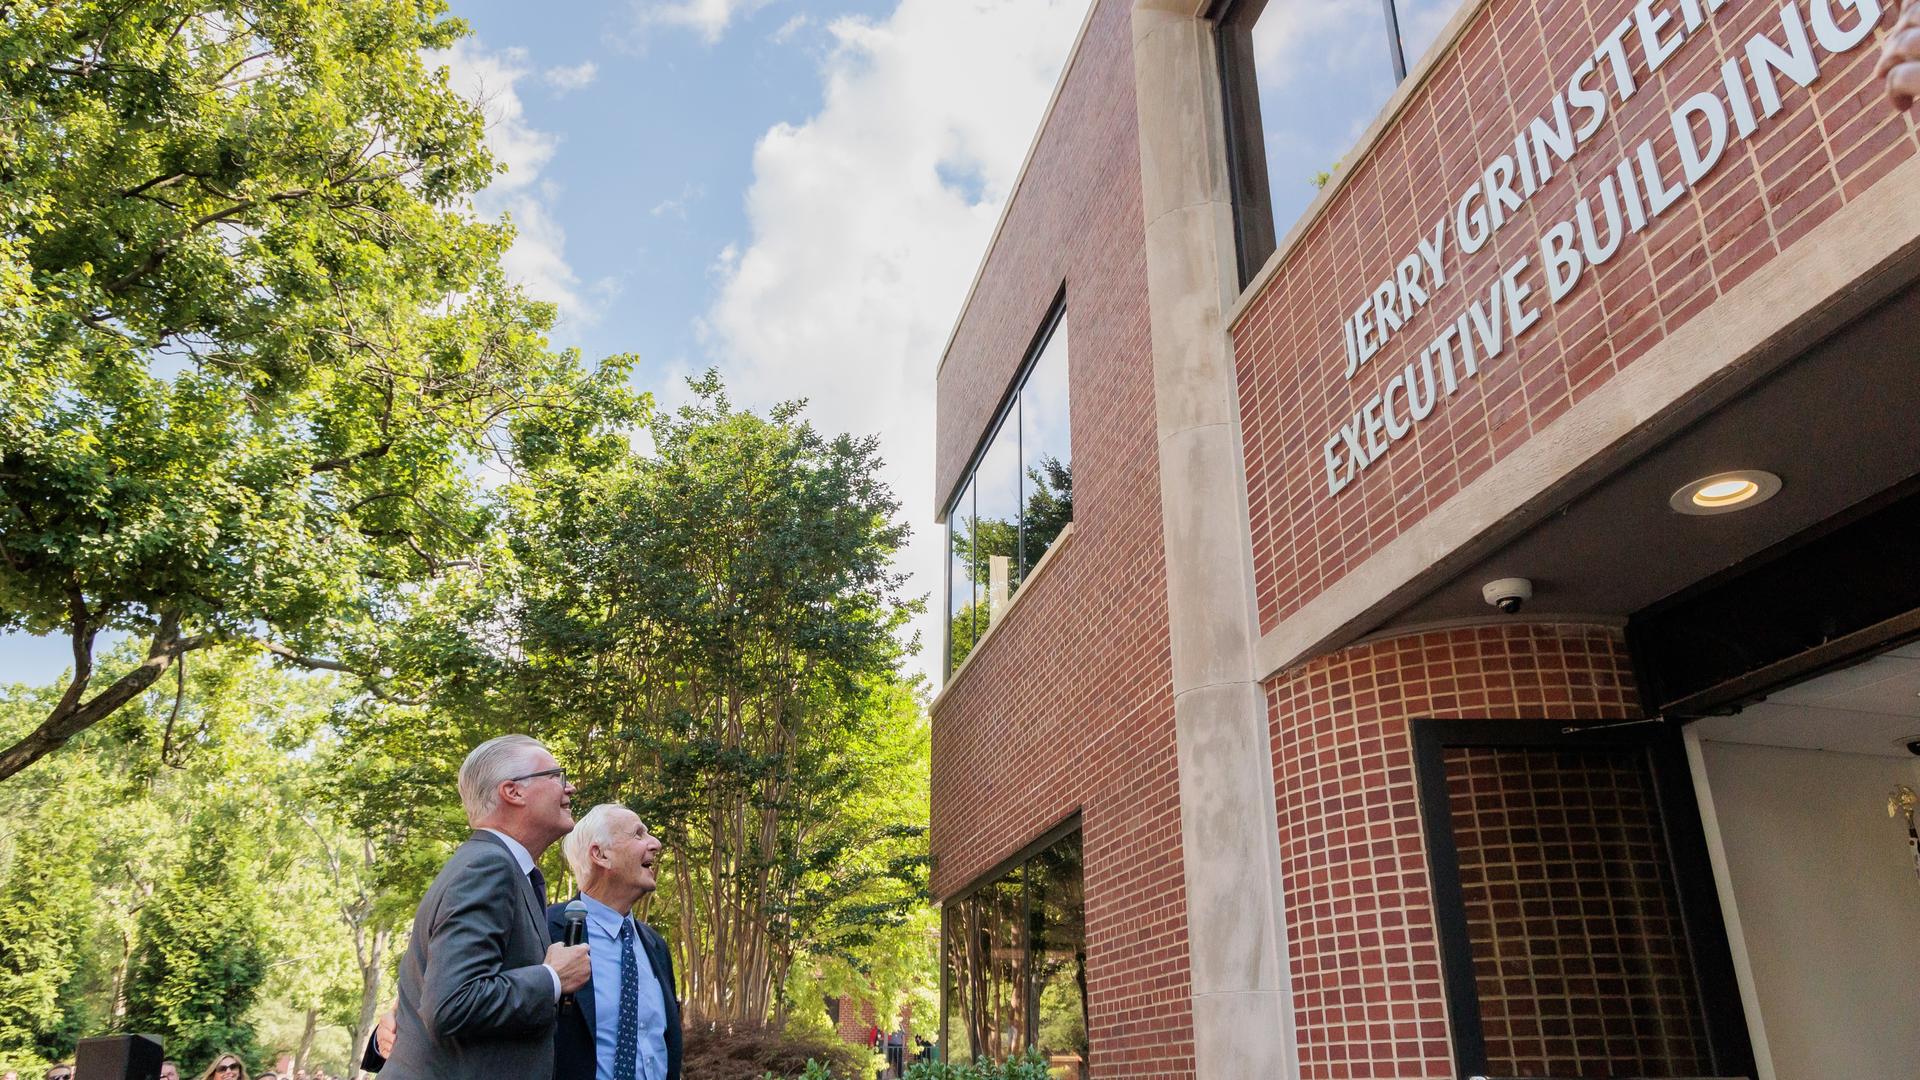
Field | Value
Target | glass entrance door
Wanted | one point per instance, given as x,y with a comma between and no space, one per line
1580,933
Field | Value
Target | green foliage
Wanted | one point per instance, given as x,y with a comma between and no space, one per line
46,909
264,339
236,748
200,960
1030,1066
710,634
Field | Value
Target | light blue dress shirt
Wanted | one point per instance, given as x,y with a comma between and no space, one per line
524,859
603,941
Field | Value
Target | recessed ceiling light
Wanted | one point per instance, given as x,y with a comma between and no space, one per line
1725,492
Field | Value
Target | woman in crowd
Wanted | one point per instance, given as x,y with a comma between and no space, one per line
226,1067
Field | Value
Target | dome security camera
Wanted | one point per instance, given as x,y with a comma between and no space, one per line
1508,594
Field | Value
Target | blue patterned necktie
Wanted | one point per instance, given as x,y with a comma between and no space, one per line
626,1046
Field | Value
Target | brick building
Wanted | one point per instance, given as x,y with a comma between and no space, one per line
1434,494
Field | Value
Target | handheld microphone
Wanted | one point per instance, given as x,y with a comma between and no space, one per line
576,934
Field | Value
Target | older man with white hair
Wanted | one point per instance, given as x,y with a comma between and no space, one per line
627,1023
480,984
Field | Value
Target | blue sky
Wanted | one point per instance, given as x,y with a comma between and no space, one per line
797,192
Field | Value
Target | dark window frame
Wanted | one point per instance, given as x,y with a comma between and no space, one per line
1014,864
1256,234
1007,410
1707,942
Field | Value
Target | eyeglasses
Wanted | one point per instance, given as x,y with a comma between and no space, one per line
231,1066
557,774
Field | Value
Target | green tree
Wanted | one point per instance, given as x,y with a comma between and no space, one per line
256,339
200,961
709,634
46,913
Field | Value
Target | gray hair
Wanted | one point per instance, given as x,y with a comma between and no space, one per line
594,827
490,764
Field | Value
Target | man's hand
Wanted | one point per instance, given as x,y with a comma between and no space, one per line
383,1033
571,963
1900,59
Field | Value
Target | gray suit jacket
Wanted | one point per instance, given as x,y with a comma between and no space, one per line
475,1002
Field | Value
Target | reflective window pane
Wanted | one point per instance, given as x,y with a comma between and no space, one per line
1046,449
1014,966
985,976
961,629
1304,79
996,534
1057,930
1420,24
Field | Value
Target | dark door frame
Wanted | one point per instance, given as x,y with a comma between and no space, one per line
1724,1016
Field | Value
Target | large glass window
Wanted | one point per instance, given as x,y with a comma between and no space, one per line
996,529
1014,965
1015,502
961,632
1046,449
1420,24
1303,79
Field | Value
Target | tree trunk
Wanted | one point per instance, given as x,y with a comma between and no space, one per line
306,1040
369,996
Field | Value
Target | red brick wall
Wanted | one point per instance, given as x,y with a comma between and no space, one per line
1068,706
1366,967
1830,143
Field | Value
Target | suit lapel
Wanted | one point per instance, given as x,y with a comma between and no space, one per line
648,941
529,901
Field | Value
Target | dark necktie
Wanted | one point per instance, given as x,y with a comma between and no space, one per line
539,884
626,1045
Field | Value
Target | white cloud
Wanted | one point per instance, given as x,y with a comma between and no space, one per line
690,193
710,18
538,257
863,244
792,27
565,80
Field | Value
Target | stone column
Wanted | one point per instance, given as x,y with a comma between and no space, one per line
1243,1019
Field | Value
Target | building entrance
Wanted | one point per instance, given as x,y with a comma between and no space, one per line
1797,676
1580,933
1819,884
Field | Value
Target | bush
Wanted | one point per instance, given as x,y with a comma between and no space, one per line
1030,1067
743,1052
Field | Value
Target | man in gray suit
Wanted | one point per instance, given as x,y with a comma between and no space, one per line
480,984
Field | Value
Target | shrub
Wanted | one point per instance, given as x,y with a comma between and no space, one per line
1029,1067
745,1052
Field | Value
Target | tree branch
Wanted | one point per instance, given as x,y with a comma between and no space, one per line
320,663
335,464
70,716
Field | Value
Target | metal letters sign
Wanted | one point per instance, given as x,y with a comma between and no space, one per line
1627,199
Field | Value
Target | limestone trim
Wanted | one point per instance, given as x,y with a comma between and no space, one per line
1238,952
1617,624
1046,559
1861,255
1020,179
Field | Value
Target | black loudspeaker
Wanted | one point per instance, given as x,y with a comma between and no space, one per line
118,1057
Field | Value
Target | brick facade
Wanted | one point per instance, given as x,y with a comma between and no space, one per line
1068,705
1366,965
1828,144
